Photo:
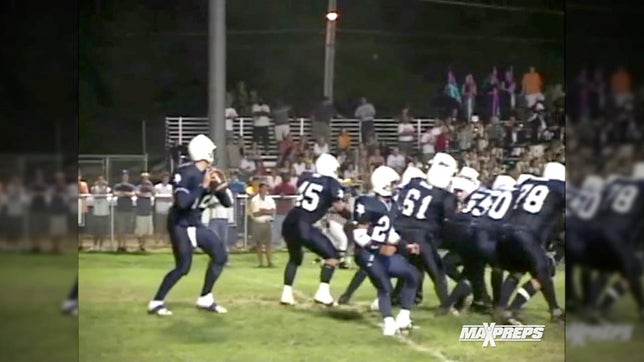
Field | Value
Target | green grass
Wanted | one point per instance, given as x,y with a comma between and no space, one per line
114,326
31,325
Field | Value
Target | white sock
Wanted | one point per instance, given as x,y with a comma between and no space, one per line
287,290
154,303
206,300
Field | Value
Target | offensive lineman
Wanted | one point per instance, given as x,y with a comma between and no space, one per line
195,184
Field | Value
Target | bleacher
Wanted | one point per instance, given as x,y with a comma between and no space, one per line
182,129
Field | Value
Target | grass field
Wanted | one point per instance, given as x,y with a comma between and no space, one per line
115,289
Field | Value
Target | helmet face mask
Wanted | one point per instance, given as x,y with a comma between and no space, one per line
201,148
384,180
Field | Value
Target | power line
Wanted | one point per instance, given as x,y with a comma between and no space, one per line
496,7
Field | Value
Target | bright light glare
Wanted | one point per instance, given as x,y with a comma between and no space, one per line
332,16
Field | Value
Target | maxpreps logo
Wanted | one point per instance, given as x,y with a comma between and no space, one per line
490,333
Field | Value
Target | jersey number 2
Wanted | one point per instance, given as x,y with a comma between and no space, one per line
410,202
309,196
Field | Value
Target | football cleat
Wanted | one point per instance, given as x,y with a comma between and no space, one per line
390,328
323,295
70,307
287,296
403,320
207,303
344,299
160,310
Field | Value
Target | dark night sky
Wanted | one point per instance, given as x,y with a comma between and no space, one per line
146,59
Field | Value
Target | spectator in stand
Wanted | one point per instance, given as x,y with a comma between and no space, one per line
406,132
376,159
299,166
443,140
495,132
100,220
308,155
177,151
416,162
15,197
396,160
508,93
124,215
344,140
261,123
366,112
532,87
283,204
83,189
273,178
281,120
320,147
351,173
235,185
451,88
247,167
621,87
465,137
537,123
162,203
321,119
492,91
262,208
427,141
144,225
58,210
38,215
231,117
469,96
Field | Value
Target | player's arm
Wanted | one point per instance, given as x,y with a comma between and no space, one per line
450,206
339,202
362,220
184,195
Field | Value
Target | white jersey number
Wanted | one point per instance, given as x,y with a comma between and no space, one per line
473,202
586,205
409,205
532,197
501,206
381,230
308,197
204,202
623,197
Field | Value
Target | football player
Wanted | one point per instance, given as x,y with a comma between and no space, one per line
316,194
195,184
70,306
376,248
538,205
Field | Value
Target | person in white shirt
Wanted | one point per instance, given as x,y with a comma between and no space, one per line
299,166
320,147
261,123
100,212
396,160
162,203
406,132
215,217
366,113
273,179
231,116
262,208
247,166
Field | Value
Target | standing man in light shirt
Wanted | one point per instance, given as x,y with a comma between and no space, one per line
162,203
281,120
100,222
261,111
231,116
215,217
262,207
366,113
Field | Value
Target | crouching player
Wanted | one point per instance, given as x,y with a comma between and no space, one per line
195,184
375,249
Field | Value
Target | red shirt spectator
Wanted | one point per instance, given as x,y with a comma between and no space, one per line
443,142
285,188
286,145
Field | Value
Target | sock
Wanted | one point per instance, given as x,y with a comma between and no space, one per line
613,294
524,294
509,285
206,300
359,277
496,279
326,273
73,294
289,273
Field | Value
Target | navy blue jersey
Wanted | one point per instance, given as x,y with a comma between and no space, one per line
424,206
496,208
379,215
538,205
474,205
582,206
190,198
622,207
316,194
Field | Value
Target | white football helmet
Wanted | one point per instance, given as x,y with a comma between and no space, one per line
638,170
592,183
411,173
470,174
201,148
555,171
383,181
443,167
523,178
463,187
327,165
504,183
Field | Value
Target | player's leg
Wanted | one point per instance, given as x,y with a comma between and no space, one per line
452,261
182,249
630,268
320,244
373,265
399,267
355,283
295,257
70,306
433,265
613,294
215,247
471,267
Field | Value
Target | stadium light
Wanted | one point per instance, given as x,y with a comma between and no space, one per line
332,16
